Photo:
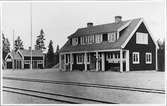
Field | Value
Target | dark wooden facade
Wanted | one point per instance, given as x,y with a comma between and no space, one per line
142,49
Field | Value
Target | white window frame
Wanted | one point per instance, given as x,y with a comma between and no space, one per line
82,40
111,37
67,60
88,58
26,61
74,41
98,38
110,55
39,61
147,56
134,56
141,38
80,57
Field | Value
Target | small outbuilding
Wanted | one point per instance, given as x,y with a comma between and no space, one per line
21,59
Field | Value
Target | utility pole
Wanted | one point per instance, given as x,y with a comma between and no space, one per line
31,32
13,50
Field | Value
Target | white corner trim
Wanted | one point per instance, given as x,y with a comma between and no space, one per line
130,36
8,55
20,53
150,34
124,26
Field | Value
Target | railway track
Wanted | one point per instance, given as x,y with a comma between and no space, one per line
146,90
53,96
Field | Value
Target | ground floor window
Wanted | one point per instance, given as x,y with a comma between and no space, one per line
135,57
148,58
80,59
88,58
67,59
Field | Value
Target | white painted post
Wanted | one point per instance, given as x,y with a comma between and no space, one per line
22,62
156,60
71,61
121,62
85,61
127,60
96,61
64,62
117,35
43,61
103,62
60,62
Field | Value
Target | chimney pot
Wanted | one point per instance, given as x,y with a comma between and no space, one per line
89,24
118,19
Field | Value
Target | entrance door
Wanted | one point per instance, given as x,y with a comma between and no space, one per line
92,62
34,64
9,65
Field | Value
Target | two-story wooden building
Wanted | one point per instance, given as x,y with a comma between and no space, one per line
124,45
21,59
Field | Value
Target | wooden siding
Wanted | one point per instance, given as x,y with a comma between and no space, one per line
142,49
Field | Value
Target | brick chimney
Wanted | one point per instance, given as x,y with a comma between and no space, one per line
118,19
89,24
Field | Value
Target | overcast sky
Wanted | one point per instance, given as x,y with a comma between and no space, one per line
60,19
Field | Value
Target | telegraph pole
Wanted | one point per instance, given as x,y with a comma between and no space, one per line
13,50
31,32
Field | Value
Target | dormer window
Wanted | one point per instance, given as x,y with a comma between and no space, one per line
74,41
82,40
98,38
111,37
105,37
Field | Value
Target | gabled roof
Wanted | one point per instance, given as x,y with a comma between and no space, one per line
131,25
111,27
14,55
28,52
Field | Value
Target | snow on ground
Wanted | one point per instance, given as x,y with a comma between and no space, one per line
142,79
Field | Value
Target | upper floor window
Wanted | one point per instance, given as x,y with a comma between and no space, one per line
105,38
82,40
98,38
141,38
74,41
90,39
148,58
111,37
135,58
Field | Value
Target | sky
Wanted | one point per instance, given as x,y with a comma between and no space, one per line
60,19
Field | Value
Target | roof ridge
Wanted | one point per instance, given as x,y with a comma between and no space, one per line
111,23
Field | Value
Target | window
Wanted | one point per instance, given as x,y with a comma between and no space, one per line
117,55
80,59
111,55
92,39
111,37
67,59
39,61
88,58
82,40
148,58
98,38
141,38
74,41
26,62
135,57
105,37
